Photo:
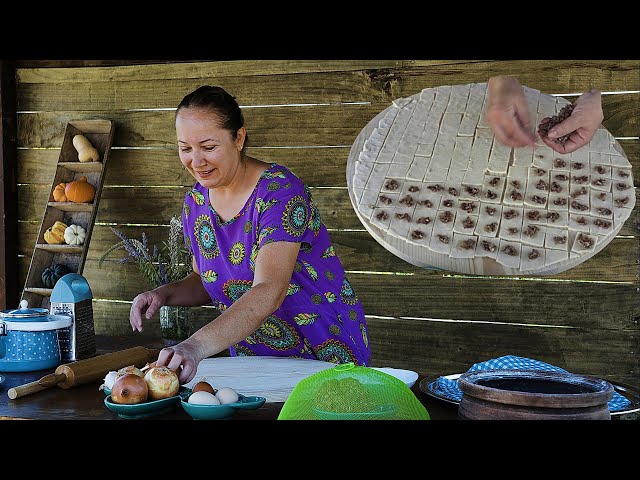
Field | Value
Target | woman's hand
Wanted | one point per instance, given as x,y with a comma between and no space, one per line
581,125
147,304
186,354
508,113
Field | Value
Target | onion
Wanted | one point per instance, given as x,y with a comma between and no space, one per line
129,389
108,380
162,382
130,369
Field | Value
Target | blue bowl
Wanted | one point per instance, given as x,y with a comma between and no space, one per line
220,412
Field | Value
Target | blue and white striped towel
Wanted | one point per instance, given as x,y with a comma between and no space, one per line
448,388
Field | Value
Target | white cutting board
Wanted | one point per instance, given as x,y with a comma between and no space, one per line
271,377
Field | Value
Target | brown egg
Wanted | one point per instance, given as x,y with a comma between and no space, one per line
205,386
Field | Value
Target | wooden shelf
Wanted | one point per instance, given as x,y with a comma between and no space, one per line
71,206
82,166
100,135
60,248
43,292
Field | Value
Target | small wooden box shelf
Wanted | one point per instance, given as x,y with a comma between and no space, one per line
100,134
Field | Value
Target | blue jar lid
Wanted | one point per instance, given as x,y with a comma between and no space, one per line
25,314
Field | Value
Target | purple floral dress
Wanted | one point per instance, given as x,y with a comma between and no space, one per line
321,317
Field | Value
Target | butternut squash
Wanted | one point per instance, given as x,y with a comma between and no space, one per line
86,151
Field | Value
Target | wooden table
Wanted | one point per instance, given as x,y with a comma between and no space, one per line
86,402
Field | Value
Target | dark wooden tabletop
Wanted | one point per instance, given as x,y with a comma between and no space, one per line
86,402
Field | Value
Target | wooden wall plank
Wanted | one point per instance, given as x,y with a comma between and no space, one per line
444,348
268,127
556,76
429,295
316,166
440,348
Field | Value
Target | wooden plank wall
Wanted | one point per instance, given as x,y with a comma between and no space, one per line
305,115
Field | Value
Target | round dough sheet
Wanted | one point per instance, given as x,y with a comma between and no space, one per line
431,184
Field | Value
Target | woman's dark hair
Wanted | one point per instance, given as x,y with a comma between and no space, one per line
218,101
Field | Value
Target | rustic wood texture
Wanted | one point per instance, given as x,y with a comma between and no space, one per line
8,186
475,318
100,134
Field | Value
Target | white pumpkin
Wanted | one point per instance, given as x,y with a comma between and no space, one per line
74,235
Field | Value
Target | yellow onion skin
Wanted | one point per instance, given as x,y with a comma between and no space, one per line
129,389
162,382
130,369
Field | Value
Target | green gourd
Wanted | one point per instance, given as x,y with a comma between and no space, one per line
52,274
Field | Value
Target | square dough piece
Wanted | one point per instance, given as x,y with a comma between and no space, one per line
537,216
441,241
533,234
401,220
490,210
580,223
420,234
464,246
622,174
465,224
487,247
509,253
557,239
601,204
584,243
555,256
468,207
386,199
424,218
557,219
558,202
488,226
381,217
445,219
532,257
393,185
601,226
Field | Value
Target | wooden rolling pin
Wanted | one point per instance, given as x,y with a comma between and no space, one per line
86,371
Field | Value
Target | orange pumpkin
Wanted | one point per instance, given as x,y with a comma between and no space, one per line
80,191
58,193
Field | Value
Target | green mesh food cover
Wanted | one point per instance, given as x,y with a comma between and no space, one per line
350,392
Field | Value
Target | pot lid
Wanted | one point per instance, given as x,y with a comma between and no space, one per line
25,314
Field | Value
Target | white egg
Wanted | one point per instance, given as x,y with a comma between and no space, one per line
227,395
203,398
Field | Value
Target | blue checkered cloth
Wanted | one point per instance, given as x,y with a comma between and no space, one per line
448,388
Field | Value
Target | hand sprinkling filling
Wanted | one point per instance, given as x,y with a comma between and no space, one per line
548,123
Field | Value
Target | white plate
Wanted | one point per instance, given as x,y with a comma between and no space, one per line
407,376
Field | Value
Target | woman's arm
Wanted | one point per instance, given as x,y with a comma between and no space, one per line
273,270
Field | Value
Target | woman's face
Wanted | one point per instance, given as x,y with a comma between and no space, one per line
208,151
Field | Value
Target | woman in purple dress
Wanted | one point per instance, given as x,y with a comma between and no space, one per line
261,253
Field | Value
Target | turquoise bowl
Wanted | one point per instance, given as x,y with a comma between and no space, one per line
145,409
220,412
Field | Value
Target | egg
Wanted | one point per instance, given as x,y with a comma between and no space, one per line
227,395
203,398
